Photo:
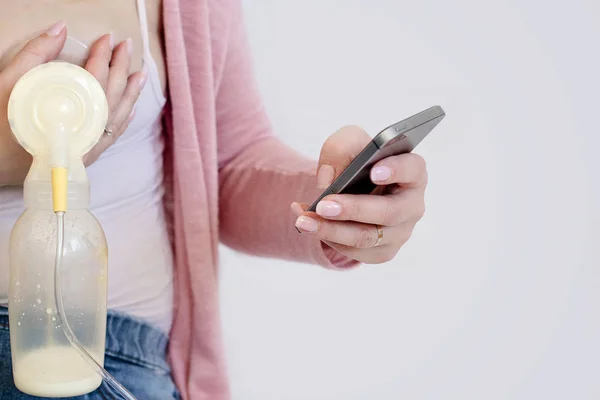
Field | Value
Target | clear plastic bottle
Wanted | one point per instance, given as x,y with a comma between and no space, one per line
44,362
57,113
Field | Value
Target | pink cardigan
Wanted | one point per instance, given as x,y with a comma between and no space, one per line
228,179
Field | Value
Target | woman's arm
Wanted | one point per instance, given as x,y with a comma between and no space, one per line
260,176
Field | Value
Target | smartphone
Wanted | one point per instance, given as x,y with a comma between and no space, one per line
396,139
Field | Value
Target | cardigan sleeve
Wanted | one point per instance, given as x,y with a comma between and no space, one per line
259,176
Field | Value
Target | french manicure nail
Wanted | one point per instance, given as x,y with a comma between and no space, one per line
56,29
307,224
380,174
328,208
131,115
325,176
111,40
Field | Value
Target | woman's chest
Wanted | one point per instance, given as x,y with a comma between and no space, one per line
87,20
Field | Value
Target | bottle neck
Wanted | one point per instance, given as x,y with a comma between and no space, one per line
37,189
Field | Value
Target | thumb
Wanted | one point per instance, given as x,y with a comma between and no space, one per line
338,151
39,50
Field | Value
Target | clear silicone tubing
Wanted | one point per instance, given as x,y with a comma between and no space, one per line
62,318
75,51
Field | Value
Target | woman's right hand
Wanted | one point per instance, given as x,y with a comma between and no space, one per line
109,65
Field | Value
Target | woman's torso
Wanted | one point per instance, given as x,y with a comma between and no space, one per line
126,181
86,20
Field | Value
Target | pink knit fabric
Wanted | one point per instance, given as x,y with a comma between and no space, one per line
228,177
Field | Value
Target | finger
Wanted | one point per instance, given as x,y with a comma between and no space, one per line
118,74
135,83
407,170
347,233
104,143
338,151
98,61
298,208
376,255
123,116
387,210
39,50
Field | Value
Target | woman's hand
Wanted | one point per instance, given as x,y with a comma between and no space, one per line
14,160
109,66
352,224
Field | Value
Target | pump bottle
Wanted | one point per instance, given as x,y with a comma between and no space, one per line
57,112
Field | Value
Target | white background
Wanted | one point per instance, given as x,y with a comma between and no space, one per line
497,295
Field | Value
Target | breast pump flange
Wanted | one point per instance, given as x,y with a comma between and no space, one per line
58,112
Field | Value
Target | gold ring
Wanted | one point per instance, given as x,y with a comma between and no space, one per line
379,235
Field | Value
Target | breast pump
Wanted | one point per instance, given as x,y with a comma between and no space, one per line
58,251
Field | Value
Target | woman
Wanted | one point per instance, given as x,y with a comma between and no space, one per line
181,167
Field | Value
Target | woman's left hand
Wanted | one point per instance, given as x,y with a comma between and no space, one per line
352,224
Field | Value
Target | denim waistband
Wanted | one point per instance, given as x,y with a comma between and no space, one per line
130,339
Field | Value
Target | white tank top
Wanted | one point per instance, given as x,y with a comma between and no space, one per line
126,197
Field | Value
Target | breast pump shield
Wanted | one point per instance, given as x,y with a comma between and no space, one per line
58,252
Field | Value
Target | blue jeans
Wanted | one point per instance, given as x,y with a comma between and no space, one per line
135,356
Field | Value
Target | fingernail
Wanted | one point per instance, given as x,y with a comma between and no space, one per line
380,174
144,76
56,29
328,208
325,176
131,115
129,46
307,224
111,41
